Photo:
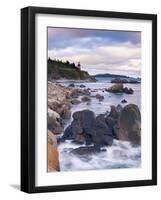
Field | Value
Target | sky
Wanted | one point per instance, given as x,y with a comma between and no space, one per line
99,51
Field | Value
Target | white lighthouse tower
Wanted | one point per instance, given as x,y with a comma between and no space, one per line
79,66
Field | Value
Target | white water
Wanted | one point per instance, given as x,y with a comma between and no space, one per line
120,154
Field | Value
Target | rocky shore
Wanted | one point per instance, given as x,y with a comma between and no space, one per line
94,132
60,100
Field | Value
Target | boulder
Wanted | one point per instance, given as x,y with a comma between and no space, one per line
85,119
99,97
129,124
71,85
124,101
103,134
79,138
68,135
53,115
86,98
116,88
128,90
73,92
53,155
119,108
81,128
86,92
54,122
110,121
88,129
119,88
75,101
66,113
64,110
115,112
81,92
76,128
82,86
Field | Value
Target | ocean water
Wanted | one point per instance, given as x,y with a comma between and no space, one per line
120,154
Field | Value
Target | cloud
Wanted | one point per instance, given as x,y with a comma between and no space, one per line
104,55
63,37
96,50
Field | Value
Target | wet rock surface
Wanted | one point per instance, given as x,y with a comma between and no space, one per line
89,129
119,88
129,124
121,123
124,101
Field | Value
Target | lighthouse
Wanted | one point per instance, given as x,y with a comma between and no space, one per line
79,66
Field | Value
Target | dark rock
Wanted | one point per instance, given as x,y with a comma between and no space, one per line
60,140
131,91
86,98
86,92
71,85
68,135
87,120
75,101
103,134
99,97
124,101
76,127
88,139
81,127
114,113
79,138
110,122
82,86
88,129
128,90
119,108
85,151
129,124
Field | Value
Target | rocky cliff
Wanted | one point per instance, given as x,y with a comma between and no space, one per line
64,70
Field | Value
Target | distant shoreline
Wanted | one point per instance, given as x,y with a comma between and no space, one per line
98,77
108,75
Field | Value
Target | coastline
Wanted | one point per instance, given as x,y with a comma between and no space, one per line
62,100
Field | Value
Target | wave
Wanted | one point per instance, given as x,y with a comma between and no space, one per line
120,155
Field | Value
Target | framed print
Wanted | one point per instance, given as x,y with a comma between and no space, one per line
88,99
